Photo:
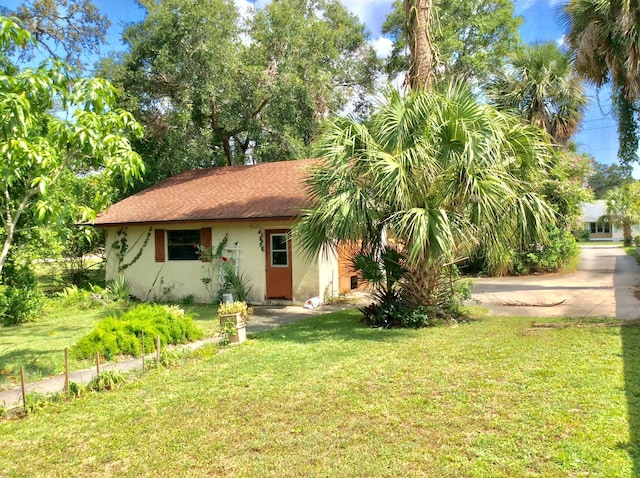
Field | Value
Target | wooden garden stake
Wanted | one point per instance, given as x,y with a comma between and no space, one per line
66,369
24,393
158,349
143,350
98,362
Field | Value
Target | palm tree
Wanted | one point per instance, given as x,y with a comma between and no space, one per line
623,208
432,174
418,17
604,40
542,87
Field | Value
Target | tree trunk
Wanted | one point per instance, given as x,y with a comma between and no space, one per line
418,16
627,233
423,284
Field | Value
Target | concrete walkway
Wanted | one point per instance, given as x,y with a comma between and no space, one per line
605,285
264,318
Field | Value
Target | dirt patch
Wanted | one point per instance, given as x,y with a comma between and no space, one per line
584,325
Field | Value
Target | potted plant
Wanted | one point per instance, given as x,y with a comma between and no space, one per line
233,321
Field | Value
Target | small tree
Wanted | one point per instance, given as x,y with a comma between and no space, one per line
54,124
623,208
432,175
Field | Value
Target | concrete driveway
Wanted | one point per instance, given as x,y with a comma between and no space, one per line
605,285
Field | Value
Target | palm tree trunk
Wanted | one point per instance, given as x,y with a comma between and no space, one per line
627,233
423,284
418,16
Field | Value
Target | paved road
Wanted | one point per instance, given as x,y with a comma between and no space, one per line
604,285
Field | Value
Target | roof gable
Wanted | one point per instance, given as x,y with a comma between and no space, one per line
261,191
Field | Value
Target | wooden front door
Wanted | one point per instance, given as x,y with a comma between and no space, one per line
279,276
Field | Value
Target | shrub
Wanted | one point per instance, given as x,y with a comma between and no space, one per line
560,252
73,296
19,304
390,310
107,380
122,335
20,298
584,235
119,289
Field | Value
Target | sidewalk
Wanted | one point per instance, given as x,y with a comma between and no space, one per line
265,317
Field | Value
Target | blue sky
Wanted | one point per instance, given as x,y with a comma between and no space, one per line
542,23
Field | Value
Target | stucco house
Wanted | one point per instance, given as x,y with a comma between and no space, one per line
153,237
596,222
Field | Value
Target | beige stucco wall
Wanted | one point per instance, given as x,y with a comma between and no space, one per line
172,280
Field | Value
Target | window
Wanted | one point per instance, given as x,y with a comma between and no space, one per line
279,250
599,227
182,245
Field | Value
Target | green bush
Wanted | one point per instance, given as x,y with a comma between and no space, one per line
560,252
20,298
123,335
19,304
390,310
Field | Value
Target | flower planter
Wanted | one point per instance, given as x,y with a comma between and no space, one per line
238,332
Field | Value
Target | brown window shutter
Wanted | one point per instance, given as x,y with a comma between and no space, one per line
159,239
205,240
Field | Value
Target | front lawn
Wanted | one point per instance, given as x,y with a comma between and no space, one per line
39,346
330,397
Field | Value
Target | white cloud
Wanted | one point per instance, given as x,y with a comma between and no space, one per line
371,12
553,3
561,41
382,46
522,5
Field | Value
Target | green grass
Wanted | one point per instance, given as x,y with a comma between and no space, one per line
39,346
631,251
329,397
599,243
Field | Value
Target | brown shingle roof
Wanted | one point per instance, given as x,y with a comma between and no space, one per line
267,190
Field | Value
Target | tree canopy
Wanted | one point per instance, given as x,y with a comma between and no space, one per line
55,124
539,84
605,177
471,39
214,88
66,29
604,40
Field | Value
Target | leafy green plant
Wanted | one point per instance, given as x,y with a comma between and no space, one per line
214,258
227,330
236,284
74,296
76,389
122,334
583,235
119,289
234,308
168,358
560,252
106,380
228,325
19,304
35,402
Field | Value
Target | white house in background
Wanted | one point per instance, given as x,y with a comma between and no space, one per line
153,236
596,221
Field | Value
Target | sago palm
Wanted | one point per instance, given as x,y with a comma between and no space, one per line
432,174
